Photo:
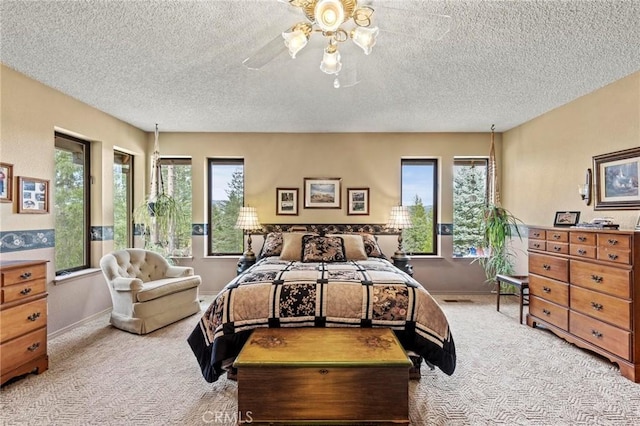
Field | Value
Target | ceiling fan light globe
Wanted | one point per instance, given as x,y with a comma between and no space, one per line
331,62
295,41
329,15
365,37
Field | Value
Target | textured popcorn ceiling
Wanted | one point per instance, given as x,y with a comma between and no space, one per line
179,63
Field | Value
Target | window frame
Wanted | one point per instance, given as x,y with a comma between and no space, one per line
211,162
178,161
129,194
435,163
86,200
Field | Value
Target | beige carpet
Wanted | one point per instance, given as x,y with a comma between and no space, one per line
507,374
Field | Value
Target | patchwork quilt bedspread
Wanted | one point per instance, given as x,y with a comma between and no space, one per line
278,293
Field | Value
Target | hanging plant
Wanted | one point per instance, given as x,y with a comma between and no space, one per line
161,213
499,226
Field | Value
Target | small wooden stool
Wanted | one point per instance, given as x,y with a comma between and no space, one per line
520,281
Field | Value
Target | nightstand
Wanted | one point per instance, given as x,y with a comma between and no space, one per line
403,264
245,263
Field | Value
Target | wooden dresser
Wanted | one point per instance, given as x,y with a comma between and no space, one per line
23,318
585,287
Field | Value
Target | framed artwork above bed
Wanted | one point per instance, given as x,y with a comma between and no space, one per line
357,201
287,201
322,193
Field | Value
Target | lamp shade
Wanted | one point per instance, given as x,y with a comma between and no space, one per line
331,61
295,40
365,37
248,219
399,218
329,15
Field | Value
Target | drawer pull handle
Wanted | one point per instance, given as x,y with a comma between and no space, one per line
324,371
34,316
596,333
33,347
25,275
556,236
582,239
546,312
536,245
25,291
536,234
546,267
582,252
546,289
613,256
556,248
596,306
596,278
612,242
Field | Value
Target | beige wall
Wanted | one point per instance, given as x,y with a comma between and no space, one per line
30,113
546,158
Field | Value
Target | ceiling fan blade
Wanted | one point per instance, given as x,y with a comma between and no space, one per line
266,54
347,77
414,23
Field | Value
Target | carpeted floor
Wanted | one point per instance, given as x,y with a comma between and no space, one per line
507,374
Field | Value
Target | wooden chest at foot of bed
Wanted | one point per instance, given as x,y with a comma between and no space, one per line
323,375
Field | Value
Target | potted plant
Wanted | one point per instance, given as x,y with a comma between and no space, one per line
499,257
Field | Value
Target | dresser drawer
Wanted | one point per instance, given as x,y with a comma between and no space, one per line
601,306
561,248
588,252
583,238
549,312
545,288
549,266
537,245
537,234
607,279
26,273
606,336
22,319
620,242
558,236
23,349
614,255
20,291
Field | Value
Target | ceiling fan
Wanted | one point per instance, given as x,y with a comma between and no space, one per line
338,21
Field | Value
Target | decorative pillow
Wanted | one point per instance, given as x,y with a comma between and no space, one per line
353,246
322,249
272,245
371,246
291,246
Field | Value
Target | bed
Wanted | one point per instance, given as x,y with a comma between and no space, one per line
309,280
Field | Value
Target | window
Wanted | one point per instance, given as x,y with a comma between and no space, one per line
469,201
177,180
226,196
122,196
71,206
420,194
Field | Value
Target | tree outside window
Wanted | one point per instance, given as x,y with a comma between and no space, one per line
469,201
419,192
226,196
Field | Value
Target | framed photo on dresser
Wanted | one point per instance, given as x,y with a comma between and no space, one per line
566,218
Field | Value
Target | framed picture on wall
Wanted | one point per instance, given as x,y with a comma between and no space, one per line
566,218
358,201
33,195
286,201
322,193
616,180
6,182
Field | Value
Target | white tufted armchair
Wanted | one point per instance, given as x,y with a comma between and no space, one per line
147,292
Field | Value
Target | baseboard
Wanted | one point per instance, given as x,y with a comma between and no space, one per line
77,324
